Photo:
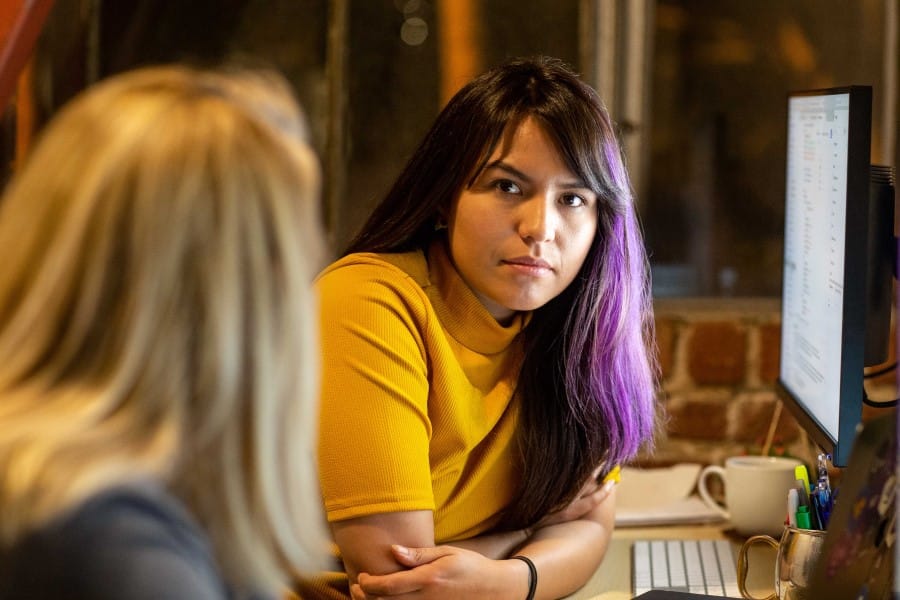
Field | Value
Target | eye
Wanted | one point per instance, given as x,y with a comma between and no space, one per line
573,200
507,187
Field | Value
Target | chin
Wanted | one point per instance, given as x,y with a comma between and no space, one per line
528,305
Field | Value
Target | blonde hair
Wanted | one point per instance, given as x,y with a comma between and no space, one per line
156,314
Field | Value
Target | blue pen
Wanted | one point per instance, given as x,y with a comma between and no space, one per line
822,481
826,515
815,511
823,485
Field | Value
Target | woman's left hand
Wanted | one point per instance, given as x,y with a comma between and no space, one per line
592,494
443,572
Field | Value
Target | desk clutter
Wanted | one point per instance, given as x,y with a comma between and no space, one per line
809,506
854,558
661,496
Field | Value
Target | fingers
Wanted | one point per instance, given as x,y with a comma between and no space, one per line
356,592
413,557
590,496
401,582
593,483
604,491
394,584
582,506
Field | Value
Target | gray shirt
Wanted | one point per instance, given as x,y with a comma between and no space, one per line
129,543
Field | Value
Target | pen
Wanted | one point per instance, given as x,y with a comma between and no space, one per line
815,511
802,493
823,485
803,517
822,481
793,503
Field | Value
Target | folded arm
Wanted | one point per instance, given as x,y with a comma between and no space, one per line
565,548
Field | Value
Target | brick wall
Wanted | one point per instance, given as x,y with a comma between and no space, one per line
719,361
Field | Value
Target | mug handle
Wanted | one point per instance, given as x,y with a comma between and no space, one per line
743,565
704,493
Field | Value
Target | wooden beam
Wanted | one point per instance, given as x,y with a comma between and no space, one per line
25,113
21,22
460,44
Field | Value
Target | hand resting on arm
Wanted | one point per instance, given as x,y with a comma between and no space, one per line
393,555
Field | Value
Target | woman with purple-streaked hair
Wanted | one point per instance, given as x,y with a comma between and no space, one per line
488,352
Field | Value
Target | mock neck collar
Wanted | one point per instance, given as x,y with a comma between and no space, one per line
461,313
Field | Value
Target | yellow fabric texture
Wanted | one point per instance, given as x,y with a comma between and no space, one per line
416,408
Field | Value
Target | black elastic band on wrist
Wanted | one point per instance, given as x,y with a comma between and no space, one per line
532,575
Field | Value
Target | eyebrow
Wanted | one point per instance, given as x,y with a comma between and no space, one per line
499,164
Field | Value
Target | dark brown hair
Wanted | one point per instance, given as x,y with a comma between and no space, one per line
587,383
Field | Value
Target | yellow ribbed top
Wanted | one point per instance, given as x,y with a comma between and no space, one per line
416,409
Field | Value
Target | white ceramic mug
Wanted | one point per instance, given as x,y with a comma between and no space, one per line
756,489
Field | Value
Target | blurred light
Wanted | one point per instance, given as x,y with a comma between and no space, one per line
408,7
414,31
411,7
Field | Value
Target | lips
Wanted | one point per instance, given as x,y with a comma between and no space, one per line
528,262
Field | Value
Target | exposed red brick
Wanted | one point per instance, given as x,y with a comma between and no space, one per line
717,354
769,352
753,418
665,341
717,407
698,419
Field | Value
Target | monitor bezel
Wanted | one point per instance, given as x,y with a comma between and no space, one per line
854,298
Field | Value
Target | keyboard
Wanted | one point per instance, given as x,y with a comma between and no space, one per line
695,566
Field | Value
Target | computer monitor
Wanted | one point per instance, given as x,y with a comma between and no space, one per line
827,234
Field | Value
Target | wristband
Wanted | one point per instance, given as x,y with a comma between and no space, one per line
532,575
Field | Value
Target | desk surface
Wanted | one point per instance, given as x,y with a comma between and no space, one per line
612,580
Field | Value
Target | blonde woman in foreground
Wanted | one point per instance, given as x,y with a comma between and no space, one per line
158,362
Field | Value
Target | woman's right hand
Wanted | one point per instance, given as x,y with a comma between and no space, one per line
444,572
591,495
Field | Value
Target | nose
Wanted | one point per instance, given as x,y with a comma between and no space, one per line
538,220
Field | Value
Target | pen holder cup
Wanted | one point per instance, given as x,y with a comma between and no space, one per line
798,552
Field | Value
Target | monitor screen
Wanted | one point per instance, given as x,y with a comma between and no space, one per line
825,256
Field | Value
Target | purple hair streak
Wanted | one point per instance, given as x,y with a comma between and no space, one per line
587,385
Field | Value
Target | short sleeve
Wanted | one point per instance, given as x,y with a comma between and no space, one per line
374,425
